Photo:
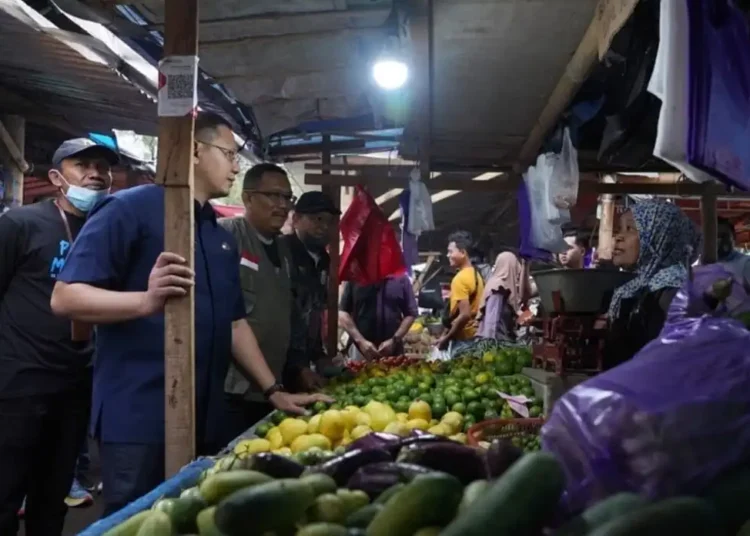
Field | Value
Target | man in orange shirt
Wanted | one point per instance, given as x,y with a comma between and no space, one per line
467,287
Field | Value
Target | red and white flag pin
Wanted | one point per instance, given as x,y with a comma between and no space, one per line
249,261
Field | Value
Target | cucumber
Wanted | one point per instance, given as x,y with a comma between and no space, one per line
182,512
353,499
744,529
473,491
730,495
389,493
686,516
320,483
429,531
219,485
601,513
322,529
264,508
157,524
205,523
130,526
428,500
327,508
364,516
516,504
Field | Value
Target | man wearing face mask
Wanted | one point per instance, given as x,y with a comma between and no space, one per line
45,361
314,220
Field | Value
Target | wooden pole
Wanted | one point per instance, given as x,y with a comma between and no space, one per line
334,192
710,229
175,172
606,228
13,135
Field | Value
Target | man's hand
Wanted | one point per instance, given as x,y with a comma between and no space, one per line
368,350
442,342
295,404
169,278
310,380
386,347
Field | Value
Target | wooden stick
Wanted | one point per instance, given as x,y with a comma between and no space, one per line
14,149
334,192
175,172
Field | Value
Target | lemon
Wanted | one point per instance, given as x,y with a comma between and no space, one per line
440,429
332,425
352,408
382,417
434,422
402,417
420,410
313,425
373,406
454,420
461,438
306,442
363,419
418,424
291,429
283,451
349,415
274,438
252,446
398,428
360,431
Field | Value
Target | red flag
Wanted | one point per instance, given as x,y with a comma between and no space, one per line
371,249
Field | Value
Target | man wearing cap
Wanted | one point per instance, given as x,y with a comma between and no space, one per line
45,361
314,220
265,277
119,276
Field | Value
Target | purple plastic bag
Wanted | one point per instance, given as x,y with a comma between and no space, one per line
527,250
668,421
719,91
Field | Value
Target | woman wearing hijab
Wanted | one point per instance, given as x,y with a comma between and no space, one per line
502,298
658,242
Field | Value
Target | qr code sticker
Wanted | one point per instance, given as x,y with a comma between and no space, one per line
180,86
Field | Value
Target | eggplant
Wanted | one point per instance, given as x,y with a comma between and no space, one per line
500,456
378,440
423,438
341,468
375,478
465,463
275,465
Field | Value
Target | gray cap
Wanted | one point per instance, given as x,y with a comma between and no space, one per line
79,145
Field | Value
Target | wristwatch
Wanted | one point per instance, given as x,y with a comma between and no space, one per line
275,388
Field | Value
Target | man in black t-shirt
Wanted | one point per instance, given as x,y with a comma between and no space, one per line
45,361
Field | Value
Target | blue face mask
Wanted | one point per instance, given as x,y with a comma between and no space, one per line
82,198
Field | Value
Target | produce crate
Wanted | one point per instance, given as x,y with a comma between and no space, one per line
503,429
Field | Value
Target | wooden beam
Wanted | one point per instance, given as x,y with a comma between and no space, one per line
13,133
175,172
709,224
314,148
334,192
437,184
11,143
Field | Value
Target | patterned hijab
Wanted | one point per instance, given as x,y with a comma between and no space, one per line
669,244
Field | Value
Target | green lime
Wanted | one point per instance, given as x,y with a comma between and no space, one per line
469,421
459,407
438,409
414,393
474,408
262,429
470,395
452,398
425,397
319,407
401,406
535,411
490,414
409,381
278,416
423,387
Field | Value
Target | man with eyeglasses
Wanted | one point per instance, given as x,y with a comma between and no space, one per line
265,276
118,276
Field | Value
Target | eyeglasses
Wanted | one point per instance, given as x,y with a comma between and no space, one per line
229,154
280,198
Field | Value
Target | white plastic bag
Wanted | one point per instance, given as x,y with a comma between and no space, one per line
564,182
546,218
420,206
669,84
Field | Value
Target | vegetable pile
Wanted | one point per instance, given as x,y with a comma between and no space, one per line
424,485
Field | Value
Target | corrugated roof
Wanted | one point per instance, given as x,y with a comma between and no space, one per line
48,71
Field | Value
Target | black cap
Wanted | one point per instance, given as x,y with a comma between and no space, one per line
79,145
314,203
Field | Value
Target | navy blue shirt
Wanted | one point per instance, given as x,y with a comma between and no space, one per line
116,250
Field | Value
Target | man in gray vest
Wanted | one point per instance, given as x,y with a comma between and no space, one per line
265,265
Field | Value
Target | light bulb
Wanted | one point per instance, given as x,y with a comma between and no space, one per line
390,74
